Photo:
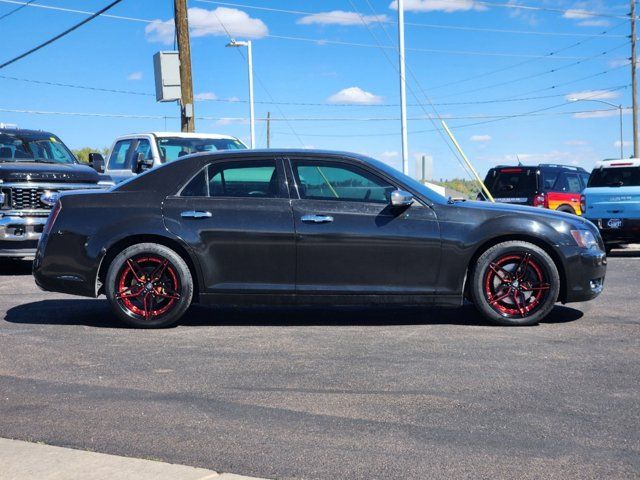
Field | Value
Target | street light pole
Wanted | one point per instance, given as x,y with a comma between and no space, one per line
403,93
620,109
252,117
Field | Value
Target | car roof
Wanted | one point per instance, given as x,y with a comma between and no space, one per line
618,163
217,136
542,166
25,131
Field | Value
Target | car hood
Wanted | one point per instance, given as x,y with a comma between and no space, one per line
541,214
47,172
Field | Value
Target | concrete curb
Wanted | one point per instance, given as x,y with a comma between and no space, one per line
26,461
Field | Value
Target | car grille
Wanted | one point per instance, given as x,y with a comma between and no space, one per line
25,199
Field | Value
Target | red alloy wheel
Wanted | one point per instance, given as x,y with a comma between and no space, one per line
147,286
515,285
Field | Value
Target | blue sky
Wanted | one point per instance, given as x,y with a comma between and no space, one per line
333,62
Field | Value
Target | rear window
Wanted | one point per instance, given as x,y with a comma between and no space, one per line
507,181
615,177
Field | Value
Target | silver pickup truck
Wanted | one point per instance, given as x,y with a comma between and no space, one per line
133,154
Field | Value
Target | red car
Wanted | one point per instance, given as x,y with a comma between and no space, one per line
556,187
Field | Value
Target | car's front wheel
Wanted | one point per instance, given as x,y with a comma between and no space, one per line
149,286
515,283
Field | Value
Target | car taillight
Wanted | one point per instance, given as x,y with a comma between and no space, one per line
583,203
55,211
540,200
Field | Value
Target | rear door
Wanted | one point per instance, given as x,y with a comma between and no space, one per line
513,184
236,217
350,240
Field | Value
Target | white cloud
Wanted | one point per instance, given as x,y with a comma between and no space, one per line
594,23
602,113
576,143
340,17
619,62
447,6
480,138
388,155
577,13
625,143
592,95
355,96
205,96
233,99
203,22
232,121
134,76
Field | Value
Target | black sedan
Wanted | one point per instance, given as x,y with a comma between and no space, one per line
309,228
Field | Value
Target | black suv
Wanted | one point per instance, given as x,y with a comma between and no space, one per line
556,187
34,167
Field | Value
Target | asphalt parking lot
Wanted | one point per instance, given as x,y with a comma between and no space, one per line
332,394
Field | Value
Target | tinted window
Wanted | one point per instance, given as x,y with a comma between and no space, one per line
615,177
330,181
254,179
172,148
572,183
549,179
39,148
509,181
118,158
143,147
585,180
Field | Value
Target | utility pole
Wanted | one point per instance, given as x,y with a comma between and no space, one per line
268,129
403,92
187,115
634,81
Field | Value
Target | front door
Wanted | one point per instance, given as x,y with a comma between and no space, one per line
349,238
236,216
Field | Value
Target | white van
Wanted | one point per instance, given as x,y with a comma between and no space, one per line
132,154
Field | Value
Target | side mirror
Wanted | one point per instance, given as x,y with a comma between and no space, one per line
400,198
96,161
143,163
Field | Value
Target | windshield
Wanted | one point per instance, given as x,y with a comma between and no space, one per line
508,181
33,148
173,148
615,177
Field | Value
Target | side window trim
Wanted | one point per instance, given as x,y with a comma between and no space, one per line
294,181
283,191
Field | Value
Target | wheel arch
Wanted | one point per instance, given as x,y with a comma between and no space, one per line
547,247
125,242
567,208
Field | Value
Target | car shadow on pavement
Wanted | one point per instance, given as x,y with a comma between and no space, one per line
12,266
96,313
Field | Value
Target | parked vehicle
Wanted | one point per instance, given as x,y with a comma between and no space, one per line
34,167
309,227
556,187
133,154
612,201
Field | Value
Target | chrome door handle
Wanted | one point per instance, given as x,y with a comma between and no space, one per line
195,214
317,218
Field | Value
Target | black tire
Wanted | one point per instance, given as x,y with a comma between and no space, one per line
566,209
509,290
149,286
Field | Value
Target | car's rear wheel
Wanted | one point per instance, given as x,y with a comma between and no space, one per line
515,283
149,286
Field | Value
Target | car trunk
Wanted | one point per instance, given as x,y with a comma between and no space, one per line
513,184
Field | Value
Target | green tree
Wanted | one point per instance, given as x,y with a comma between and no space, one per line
82,154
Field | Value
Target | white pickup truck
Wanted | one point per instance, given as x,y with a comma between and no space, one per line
133,154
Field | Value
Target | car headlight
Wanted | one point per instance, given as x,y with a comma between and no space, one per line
584,238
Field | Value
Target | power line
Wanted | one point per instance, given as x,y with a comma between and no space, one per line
535,75
60,35
321,41
553,53
17,9
72,10
308,104
301,12
536,113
